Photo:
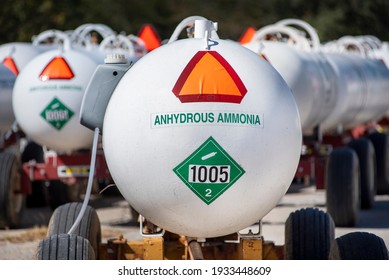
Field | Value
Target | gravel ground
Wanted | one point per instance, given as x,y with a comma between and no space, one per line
20,244
115,217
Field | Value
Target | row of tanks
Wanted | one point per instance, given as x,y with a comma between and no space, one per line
334,88
341,92
41,93
49,90
206,146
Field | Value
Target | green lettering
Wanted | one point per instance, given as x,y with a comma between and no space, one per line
169,119
190,117
257,120
242,118
182,118
163,119
157,120
235,118
211,118
220,118
197,117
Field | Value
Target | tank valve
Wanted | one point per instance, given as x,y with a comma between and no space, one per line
115,58
204,28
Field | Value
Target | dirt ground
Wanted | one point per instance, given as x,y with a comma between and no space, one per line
116,219
20,244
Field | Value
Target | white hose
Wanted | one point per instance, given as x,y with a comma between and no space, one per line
90,182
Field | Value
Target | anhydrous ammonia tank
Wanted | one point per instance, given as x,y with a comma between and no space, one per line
310,77
47,98
16,55
305,70
7,81
202,136
362,81
362,85
331,90
13,58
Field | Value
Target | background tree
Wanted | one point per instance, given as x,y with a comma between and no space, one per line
21,19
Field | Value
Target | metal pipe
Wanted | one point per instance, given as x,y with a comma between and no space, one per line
195,251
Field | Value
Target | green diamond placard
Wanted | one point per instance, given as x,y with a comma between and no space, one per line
57,114
209,171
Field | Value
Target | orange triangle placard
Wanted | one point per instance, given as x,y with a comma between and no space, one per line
248,35
208,77
57,69
150,37
11,65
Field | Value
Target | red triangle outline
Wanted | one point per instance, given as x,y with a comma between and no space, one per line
45,77
11,65
209,97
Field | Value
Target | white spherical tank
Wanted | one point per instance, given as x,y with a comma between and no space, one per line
16,55
47,98
7,81
202,137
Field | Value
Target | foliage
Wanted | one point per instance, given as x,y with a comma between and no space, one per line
21,19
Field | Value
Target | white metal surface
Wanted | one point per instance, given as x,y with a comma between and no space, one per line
157,137
310,77
7,81
47,107
20,53
333,90
362,85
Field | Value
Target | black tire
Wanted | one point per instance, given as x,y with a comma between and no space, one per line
39,196
308,235
343,187
367,165
12,201
64,217
359,246
65,247
381,145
